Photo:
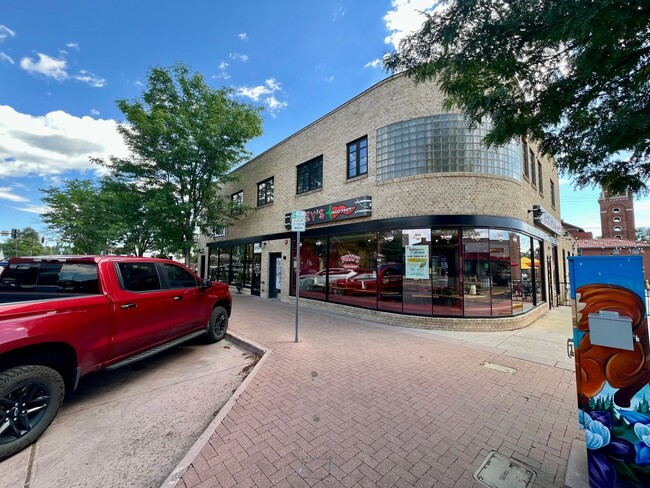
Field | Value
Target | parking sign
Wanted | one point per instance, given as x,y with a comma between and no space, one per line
298,220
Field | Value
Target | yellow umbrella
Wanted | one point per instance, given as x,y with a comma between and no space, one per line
525,263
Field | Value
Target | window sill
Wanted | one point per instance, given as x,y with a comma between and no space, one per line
316,190
265,205
357,178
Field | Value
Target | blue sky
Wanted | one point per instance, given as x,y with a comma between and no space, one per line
64,64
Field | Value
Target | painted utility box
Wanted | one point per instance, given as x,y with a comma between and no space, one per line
612,354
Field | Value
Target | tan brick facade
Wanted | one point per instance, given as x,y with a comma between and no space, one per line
393,100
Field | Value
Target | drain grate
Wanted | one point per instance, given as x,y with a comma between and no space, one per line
498,471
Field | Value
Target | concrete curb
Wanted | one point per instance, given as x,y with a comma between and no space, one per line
577,471
194,451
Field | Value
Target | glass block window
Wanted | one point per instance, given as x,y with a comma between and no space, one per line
310,175
358,157
441,144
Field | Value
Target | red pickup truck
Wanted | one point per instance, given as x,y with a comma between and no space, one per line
62,317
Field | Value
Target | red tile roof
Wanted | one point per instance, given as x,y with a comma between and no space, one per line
610,243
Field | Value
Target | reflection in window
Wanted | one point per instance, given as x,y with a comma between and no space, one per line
390,284
441,144
500,247
310,175
446,290
358,157
417,277
314,273
476,271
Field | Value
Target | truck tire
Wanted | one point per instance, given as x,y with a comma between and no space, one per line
217,325
30,397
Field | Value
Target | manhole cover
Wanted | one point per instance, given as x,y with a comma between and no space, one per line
498,471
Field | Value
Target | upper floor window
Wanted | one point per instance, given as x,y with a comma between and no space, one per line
441,144
533,173
617,219
238,197
525,158
552,189
265,192
540,178
617,228
358,157
310,175
616,210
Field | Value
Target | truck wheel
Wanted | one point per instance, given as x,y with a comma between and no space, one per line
30,397
218,324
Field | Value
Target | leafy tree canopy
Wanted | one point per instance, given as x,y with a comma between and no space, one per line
185,137
643,234
573,75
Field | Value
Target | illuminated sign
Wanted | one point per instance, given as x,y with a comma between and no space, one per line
343,210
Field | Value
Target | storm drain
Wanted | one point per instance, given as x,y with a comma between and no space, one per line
498,471
499,367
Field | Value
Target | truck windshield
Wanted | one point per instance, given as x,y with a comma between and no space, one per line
50,278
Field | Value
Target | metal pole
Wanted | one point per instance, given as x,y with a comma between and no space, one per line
297,279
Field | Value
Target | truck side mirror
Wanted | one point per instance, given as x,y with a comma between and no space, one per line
206,283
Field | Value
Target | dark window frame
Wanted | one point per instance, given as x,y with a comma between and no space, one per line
237,197
552,188
525,159
358,158
265,195
540,178
533,173
308,174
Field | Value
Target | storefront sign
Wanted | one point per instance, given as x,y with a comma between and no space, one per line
350,261
544,219
417,262
343,210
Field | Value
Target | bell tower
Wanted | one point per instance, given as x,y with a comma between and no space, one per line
617,215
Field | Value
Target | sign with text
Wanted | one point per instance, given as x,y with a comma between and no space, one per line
298,220
343,210
417,262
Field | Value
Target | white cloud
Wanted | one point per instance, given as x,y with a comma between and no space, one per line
264,93
73,45
6,57
339,13
329,79
405,18
5,32
55,143
240,57
94,112
58,69
90,78
243,36
37,209
375,63
46,66
6,193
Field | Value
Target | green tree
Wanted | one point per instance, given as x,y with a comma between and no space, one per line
643,234
184,137
78,214
572,75
26,243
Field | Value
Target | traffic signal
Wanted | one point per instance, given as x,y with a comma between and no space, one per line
14,233
42,240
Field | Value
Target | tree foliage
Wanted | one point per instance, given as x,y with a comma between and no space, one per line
78,214
184,138
26,243
573,75
643,234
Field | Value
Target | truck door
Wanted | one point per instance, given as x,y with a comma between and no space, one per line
143,309
191,307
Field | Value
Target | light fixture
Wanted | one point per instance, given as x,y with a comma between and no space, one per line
447,236
389,237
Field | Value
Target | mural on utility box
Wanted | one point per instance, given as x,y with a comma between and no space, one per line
612,382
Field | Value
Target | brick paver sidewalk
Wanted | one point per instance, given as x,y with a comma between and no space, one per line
359,406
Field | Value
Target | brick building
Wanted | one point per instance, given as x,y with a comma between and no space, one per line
409,217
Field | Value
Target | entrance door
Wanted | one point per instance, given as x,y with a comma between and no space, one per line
275,274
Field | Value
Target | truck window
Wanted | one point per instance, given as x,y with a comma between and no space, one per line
51,277
179,277
139,276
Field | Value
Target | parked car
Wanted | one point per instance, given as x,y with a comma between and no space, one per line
388,277
63,317
317,281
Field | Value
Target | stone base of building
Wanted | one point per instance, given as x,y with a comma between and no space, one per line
470,324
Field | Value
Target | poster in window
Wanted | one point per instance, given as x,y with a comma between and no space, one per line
417,262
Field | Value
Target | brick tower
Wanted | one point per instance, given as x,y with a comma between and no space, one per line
617,215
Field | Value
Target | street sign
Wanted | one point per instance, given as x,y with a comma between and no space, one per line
298,220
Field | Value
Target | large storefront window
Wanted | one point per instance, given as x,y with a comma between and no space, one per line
447,292
476,272
314,273
500,249
389,264
523,286
418,297
356,256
